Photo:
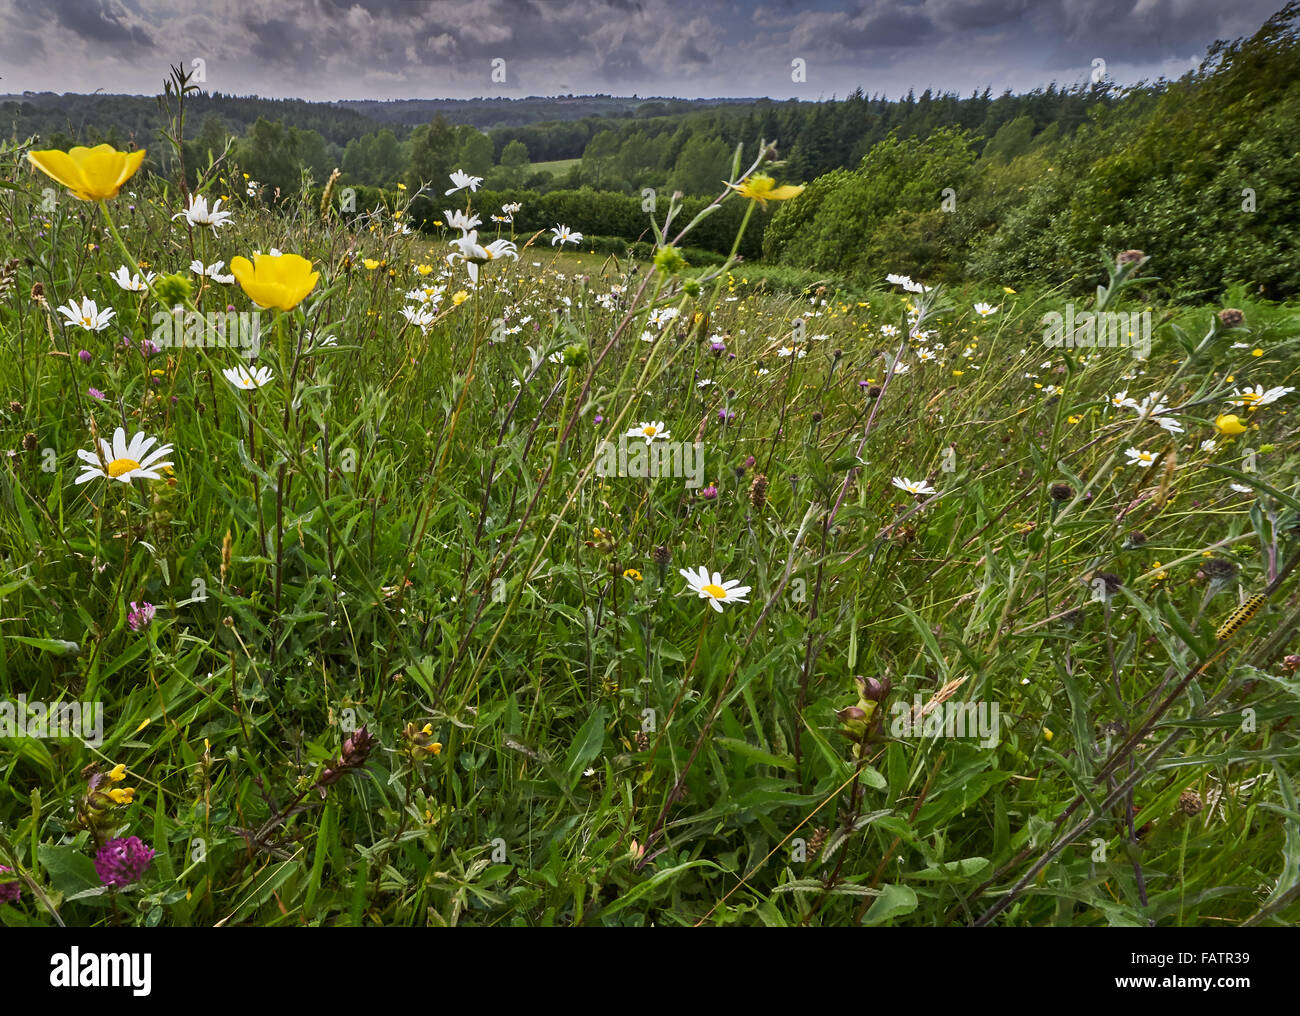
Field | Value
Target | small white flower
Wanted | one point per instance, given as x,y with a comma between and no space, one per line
985,309
212,271
462,180
713,588
563,234
464,221
1138,457
913,486
199,214
122,461
649,431
241,377
132,283
87,315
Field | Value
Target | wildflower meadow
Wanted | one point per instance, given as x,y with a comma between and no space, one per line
357,574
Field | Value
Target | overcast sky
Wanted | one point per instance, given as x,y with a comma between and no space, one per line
335,49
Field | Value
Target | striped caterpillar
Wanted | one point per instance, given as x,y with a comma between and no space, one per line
1239,617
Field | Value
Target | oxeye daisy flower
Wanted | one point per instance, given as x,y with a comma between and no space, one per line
913,486
91,174
199,214
461,179
469,250
212,271
985,309
87,315
563,234
122,461
243,378
1253,398
132,283
464,221
649,431
713,588
1138,457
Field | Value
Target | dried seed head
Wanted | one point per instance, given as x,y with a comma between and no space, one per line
1128,257
1190,803
1219,569
1230,317
29,442
1061,492
758,492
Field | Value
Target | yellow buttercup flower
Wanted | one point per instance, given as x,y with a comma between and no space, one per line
281,282
762,188
91,174
1229,424
371,264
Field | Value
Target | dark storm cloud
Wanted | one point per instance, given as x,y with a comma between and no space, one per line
101,21
392,48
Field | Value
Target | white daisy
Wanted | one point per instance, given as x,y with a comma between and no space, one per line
713,588
87,315
649,431
563,234
464,221
913,486
1137,457
212,271
199,214
985,309
132,283
462,180
123,461
242,377
1253,398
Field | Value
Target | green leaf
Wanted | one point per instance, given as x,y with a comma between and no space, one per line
893,901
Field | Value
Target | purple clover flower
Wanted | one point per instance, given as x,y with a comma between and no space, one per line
9,891
123,861
140,616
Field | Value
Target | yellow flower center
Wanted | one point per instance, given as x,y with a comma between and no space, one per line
119,466
648,431
717,592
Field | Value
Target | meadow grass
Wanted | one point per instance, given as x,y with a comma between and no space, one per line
415,661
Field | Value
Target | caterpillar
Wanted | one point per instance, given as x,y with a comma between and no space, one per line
1239,617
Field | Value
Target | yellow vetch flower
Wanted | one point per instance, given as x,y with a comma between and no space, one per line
91,174
118,772
281,282
1230,424
762,188
122,795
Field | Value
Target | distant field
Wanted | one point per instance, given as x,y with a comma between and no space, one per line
555,166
